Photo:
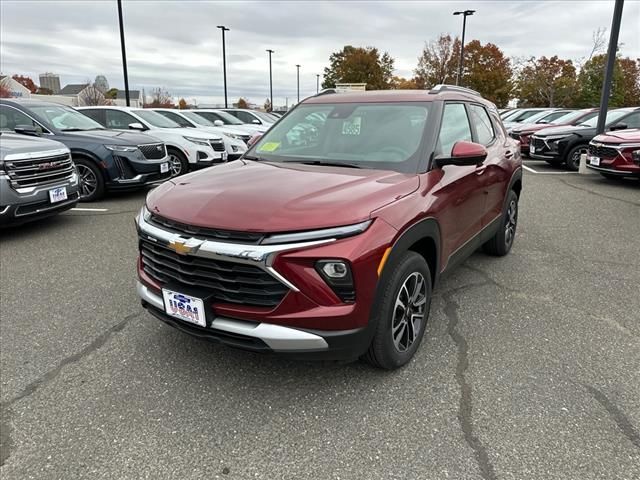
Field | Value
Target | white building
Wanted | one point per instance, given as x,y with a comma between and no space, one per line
16,89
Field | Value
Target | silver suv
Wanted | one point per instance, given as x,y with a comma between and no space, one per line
37,179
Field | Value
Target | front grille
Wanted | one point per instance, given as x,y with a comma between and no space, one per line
153,151
228,282
603,151
537,142
217,145
229,236
34,172
245,138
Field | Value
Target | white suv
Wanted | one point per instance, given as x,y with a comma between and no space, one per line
187,149
214,115
236,139
252,117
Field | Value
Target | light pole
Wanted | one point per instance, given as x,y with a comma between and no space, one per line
317,83
270,79
465,14
611,58
298,67
124,56
224,64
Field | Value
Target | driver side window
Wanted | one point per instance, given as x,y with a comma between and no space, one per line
10,118
632,121
455,128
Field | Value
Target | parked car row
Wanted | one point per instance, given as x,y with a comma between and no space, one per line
101,149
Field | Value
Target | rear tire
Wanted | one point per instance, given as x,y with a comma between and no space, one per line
502,241
402,318
177,162
90,180
573,157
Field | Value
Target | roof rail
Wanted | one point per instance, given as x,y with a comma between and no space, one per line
443,87
326,91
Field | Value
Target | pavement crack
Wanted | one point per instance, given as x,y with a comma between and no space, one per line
598,194
617,415
6,442
465,409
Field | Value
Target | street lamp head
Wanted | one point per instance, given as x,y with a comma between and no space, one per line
270,51
298,65
465,13
224,29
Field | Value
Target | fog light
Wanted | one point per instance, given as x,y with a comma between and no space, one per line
635,155
335,269
337,274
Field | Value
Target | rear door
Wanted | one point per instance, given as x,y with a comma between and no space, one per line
461,188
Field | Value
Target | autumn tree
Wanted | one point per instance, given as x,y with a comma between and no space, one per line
590,80
401,83
547,82
630,81
488,71
242,103
44,91
182,104
267,105
26,82
160,98
359,65
438,62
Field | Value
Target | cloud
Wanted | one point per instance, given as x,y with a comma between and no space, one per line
176,44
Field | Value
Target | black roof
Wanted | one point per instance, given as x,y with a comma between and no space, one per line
73,88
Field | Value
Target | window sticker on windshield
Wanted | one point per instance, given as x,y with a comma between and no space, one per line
269,147
351,127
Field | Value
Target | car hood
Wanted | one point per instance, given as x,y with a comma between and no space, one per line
109,137
619,136
185,132
531,127
276,197
566,131
11,143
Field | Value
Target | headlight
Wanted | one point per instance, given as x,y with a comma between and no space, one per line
121,148
555,138
635,155
336,232
144,213
233,135
197,141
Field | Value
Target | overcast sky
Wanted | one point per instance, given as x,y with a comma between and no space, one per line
175,44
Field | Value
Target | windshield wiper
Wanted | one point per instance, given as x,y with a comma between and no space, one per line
331,164
73,129
253,157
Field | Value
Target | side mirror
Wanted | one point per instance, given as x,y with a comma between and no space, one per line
31,130
619,126
218,123
137,126
464,154
256,121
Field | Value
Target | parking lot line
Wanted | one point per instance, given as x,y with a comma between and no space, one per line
529,169
90,209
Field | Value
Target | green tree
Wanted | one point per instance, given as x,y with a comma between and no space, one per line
401,83
630,81
359,65
488,71
438,62
547,82
590,80
112,93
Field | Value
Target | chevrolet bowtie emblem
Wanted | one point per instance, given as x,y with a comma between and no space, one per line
180,247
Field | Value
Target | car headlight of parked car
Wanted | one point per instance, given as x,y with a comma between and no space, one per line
335,232
198,141
121,148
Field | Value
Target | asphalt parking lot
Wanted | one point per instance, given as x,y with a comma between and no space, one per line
530,368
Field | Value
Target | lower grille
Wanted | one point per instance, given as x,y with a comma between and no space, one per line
34,172
217,145
206,233
603,151
153,151
228,282
537,142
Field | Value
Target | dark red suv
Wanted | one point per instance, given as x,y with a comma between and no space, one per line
328,237
616,154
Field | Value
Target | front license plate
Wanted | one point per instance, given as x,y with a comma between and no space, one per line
58,194
594,161
164,167
225,155
184,307
532,149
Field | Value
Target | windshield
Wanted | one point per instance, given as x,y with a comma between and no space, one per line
265,117
65,118
611,117
224,117
509,113
538,116
380,136
198,119
568,118
155,119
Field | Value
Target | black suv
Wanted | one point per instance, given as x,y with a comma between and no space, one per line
565,144
104,159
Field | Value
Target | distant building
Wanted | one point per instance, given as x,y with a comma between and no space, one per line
101,83
134,98
73,89
16,89
50,81
83,94
350,87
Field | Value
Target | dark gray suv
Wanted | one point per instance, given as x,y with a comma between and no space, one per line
105,159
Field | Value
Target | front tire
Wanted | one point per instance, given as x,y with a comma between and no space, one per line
90,180
573,157
402,318
501,243
177,162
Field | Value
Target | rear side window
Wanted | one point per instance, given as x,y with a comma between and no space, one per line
455,128
183,122
482,124
119,120
97,115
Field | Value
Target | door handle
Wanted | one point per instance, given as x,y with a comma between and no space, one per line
480,169
508,155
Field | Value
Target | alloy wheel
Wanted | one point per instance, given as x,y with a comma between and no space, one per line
176,165
510,225
408,312
88,181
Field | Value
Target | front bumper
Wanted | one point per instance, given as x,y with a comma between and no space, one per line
632,171
132,170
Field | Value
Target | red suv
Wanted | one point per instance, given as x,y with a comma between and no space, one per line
616,154
327,238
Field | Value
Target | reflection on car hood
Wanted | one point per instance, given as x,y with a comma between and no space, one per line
277,197
112,137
